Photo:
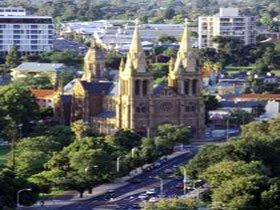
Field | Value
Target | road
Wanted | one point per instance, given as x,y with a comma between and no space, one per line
126,196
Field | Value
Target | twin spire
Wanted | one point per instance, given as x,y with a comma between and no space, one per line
136,59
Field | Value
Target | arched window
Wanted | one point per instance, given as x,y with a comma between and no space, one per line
137,87
186,87
193,108
194,87
145,87
141,108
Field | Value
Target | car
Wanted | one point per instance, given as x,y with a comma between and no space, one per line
151,192
180,185
136,206
143,196
147,169
135,181
162,195
153,199
157,164
111,191
168,171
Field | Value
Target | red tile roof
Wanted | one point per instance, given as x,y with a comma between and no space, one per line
258,97
42,93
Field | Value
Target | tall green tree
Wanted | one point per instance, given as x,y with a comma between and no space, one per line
13,57
18,105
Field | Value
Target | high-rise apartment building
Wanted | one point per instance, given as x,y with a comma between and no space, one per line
29,34
228,23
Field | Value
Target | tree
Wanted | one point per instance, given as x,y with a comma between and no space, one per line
211,103
17,104
173,204
84,164
13,57
160,70
216,175
246,192
10,184
40,82
79,128
113,61
124,140
167,136
163,38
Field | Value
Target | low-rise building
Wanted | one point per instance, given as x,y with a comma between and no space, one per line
44,97
36,69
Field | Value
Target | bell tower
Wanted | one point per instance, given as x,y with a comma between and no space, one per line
135,88
184,74
185,77
94,64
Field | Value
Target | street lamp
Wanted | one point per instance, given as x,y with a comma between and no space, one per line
20,130
161,185
133,151
118,164
18,193
185,180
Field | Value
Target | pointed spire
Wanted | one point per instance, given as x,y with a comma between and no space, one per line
136,59
184,46
122,65
136,41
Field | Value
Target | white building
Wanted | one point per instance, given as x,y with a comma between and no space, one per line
10,11
228,23
30,34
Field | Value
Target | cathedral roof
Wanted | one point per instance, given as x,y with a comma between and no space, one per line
99,88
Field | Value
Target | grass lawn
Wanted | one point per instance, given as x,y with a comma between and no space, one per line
4,150
276,72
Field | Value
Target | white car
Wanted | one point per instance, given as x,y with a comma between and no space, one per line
151,192
153,199
143,196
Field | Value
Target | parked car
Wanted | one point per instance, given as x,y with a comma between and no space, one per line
162,195
168,171
151,192
180,185
143,196
153,199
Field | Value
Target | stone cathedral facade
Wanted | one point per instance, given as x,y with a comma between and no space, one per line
133,101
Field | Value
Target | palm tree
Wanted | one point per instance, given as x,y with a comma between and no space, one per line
79,128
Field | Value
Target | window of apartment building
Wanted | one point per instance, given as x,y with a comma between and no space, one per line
2,26
50,26
50,31
50,37
34,37
16,31
34,32
34,26
34,47
16,41
34,41
16,36
50,42
16,26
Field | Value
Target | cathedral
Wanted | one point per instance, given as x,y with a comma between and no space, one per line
132,101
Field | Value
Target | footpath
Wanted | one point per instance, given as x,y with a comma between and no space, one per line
70,197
